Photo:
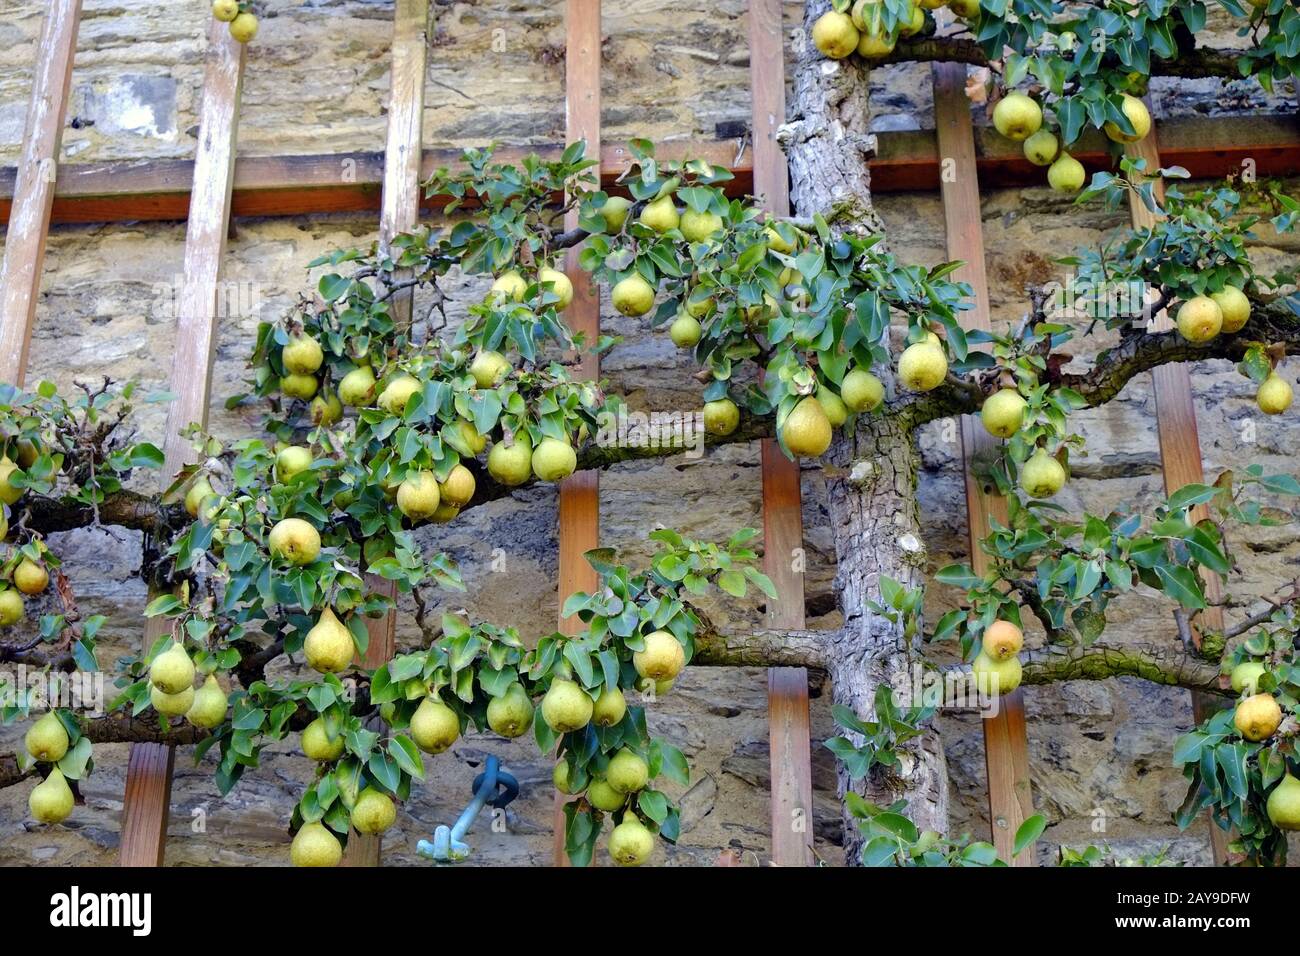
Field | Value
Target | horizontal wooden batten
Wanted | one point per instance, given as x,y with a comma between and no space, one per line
156,190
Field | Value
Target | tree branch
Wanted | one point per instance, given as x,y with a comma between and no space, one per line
764,648
1169,665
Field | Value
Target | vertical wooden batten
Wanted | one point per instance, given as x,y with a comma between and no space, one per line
789,729
1006,747
400,212
149,767
579,500
29,221
1180,448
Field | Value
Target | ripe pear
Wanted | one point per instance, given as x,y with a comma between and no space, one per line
864,13
458,488
1234,306
315,845
11,607
302,356
610,708
511,465
614,212
434,726
291,461
8,493
685,331
661,214
1066,174
316,742
1257,717
1284,804
51,800
1003,640
554,460
299,386
721,417
225,10
1274,395
172,705
662,659
244,27
560,286
627,772
835,35
631,843
358,387
633,296
471,436
560,777
1017,116
326,409
776,242
445,513
807,430
874,44
922,366
30,578
1199,319
1003,412
490,368
294,540
861,391
604,797
508,287
699,308
566,706
418,496
329,647
1041,148
915,24
837,413
699,226
997,677
1042,475
47,739
209,707
511,714
395,395
374,812
1138,115
1246,675
172,671
198,493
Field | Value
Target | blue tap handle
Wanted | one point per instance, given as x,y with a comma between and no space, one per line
493,786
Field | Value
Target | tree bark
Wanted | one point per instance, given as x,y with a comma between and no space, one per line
872,476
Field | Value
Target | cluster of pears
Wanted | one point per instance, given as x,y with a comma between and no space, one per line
1018,117
806,431
514,460
1257,718
243,26
29,578
1002,414
862,30
1202,318
997,665
172,693
46,742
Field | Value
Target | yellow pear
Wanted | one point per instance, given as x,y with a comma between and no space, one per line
458,488
470,435
610,708
861,391
47,739
922,366
302,356
374,812
445,513
511,465
8,493
874,44
172,671
292,461
1003,412
357,388
662,659
700,226
11,607
1003,640
915,24
198,493
837,413
1257,718
294,540
685,331
566,706
806,430
326,409
631,843
604,797
1199,319
966,9
244,27
489,368
209,707
614,212
1042,475
397,393
560,777
299,386
1234,306
417,495
554,460
1273,397
627,772
30,577
315,845
633,296
329,647
721,417
434,726
996,677
225,10
835,35
1284,804
51,800
316,742
560,286
510,714
509,287
1138,115
172,705
1017,116
1041,148
661,214
1066,174
1246,675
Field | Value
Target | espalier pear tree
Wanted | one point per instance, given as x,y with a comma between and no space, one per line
377,429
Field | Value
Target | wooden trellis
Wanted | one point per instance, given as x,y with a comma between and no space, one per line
38,192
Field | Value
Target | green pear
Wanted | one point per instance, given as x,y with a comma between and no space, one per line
292,461
632,296
807,429
997,677
614,211
314,845
209,707
316,742
47,739
560,777
512,464
922,366
326,409
244,27
1003,412
489,368
1138,116
329,647
1273,397
511,714
610,708
172,671
700,226
604,797
295,541
299,386
837,412
1284,804
418,495
627,772
566,706
172,705
508,287
662,658
1042,475
1017,116
11,607
631,843
471,436
1246,675
8,493
861,391
198,493
560,285
458,487
1234,306
554,460
434,726
1066,174
685,331
1041,148
661,214
721,417
357,388
1199,319
303,355
835,35
225,10
51,800
397,393
374,812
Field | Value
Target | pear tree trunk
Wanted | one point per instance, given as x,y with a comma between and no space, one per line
872,476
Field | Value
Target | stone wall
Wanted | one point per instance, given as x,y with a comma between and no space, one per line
674,69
